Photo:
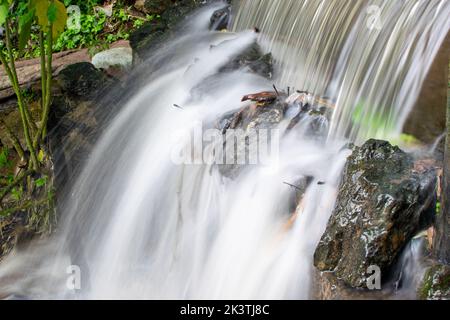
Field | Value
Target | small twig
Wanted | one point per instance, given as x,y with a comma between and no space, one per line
15,141
293,186
276,90
179,107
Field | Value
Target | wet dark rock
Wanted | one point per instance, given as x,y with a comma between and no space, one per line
81,80
153,34
383,201
253,60
248,121
328,287
156,6
220,19
313,120
436,283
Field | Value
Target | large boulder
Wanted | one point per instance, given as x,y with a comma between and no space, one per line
384,200
80,91
81,80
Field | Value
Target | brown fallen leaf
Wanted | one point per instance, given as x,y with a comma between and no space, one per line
266,96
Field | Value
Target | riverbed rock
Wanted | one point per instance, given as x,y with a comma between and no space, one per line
251,59
220,19
114,62
312,115
81,80
248,122
436,283
153,34
383,201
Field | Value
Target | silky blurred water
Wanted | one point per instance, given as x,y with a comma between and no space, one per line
140,226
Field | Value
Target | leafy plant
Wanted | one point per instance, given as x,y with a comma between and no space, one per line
49,17
4,158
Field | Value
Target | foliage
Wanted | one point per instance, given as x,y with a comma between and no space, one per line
4,158
96,28
23,21
371,119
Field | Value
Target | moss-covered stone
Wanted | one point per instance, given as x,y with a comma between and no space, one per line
383,202
81,80
436,283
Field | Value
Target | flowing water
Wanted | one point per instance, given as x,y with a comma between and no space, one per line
138,225
370,57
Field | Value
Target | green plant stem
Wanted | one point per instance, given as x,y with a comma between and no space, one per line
47,83
13,78
43,69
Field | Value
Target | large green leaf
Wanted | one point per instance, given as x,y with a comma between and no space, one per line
57,15
25,23
41,7
4,8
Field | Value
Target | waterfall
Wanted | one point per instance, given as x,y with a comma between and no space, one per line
370,57
138,225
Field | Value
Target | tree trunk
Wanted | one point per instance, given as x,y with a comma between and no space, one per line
442,239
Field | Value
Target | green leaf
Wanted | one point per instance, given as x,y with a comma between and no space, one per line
41,156
25,23
4,157
57,15
41,7
41,182
4,9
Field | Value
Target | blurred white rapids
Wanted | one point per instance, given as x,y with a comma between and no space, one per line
141,227
368,56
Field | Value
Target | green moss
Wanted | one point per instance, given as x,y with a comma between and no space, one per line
436,283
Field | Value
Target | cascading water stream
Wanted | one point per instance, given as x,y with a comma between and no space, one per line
370,57
141,226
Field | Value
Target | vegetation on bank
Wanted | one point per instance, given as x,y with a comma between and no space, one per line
39,28
96,25
28,185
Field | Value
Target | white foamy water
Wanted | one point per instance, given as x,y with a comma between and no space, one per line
140,226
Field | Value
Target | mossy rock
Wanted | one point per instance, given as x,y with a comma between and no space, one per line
436,283
82,80
383,202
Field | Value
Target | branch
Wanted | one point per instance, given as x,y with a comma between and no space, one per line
15,141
